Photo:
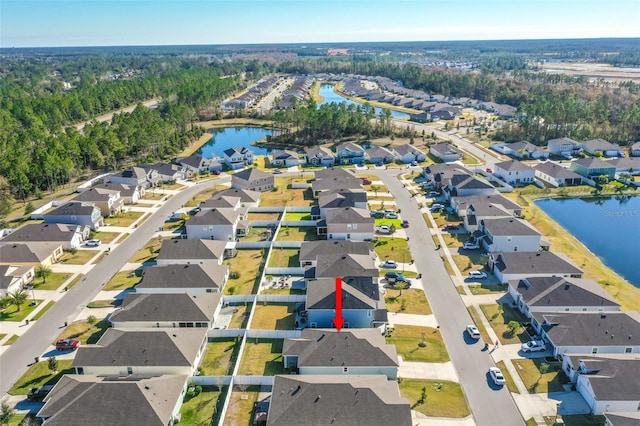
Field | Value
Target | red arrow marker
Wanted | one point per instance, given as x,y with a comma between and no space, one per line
338,321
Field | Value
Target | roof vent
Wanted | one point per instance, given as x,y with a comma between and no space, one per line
318,398
147,386
567,286
612,336
174,335
630,337
603,316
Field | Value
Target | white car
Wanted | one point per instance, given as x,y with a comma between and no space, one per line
496,376
93,243
534,346
392,215
473,332
468,245
433,194
389,264
383,229
477,275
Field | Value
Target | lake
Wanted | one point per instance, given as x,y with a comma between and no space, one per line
229,137
609,227
326,91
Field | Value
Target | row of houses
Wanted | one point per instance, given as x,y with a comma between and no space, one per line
252,95
566,147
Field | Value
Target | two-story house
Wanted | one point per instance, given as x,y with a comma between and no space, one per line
284,158
336,200
76,213
137,176
108,200
335,179
473,209
350,153
253,180
196,252
563,147
215,224
197,164
593,168
128,194
515,173
347,223
522,150
508,235
247,197
238,157
379,155
310,250
166,172
407,154
319,156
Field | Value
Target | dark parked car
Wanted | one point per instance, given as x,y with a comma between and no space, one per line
405,223
66,344
38,394
450,227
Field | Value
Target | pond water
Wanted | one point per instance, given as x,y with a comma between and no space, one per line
229,137
326,91
609,227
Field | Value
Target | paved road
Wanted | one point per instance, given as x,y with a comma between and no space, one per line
150,103
16,359
489,406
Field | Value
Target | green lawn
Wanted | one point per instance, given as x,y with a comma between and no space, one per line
83,331
198,411
274,316
39,374
286,196
80,257
149,251
295,216
11,313
54,281
263,216
123,219
488,289
240,316
284,258
43,311
469,261
395,222
511,385
220,356
247,265
263,358
443,398
106,303
530,371
297,233
407,339
256,233
287,290
478,322
18,419
105,237
392,248
414,300
455,240
499,316
240,408
123,280
11,340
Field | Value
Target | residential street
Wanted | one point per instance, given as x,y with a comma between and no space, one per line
17,358
490,406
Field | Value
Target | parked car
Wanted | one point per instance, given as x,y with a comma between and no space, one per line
38,394
94,243
366,181
473,332
392,277
534,346
450,227
436,207
389,264
66,344
414,163
393,215
405,223
477,275
383,229
433,194
470,245
277,172
373,213
378,215
496,376
488,170
216,172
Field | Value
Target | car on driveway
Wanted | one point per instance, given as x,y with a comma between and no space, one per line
488,170
277,172
534,346
383,229
94,243
366,181
67,344
393,277
473,332
389,264
433,194
436,207
496,376
450,227
468,245
392,215
478,275
377,215
38,394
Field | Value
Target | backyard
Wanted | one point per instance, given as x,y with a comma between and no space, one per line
411,301
296,216
262,357
284,258
240,409
442,398
240,316
409,340
286,196
274,316
244,272
220,356
199,410
499,316
297,233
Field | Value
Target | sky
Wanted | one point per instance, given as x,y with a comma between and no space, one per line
38,23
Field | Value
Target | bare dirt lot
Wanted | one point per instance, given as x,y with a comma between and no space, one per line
593,71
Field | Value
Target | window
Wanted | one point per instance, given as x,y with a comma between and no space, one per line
355,226
628,350
567,309
345,370
129,370
182,324
348,227
314,325
594,350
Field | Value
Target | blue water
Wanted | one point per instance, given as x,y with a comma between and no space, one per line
229,137
609,227
326,91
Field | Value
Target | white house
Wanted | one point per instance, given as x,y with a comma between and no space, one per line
13,278
446,152
407,154
522,150
319,156
519,265
602,147
349,223
563,147
238,157
507,235
514,173
214,224
70,236
284,158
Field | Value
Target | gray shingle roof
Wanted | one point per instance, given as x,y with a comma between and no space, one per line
191,249
613,379
407,149
27,252
167,307
534,263
95,194
349,215
246,195
184,276
310,250
441,149
357,293
556,171
155,347
365,347
217,216
220,201
125,190
251,174
345,265
594,163
73,209
508,226
337,400
513,166
600,145
488,205
42,232
623,419
80,400
558,291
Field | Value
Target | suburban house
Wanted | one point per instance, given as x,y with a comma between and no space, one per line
284,158
475,208
335,179
407,154
339,199
379,155
593,168
514,172
445,152
137,176
508,235
310,250
344,265
634,149
221,202
463,185
70,236
439,175
247,197
319,156
563,147
607,383
79,400
149,352
630,165
166,172
253,179
128,194
182,310
13,278
518,265
197,252
557,294
350,153
362,304
216,224
423,117
30,253
344,400
347,223
600,147
522,150
196,164
329,352
183,279
617,418
76,213
556,175
108,200
589,332
238,157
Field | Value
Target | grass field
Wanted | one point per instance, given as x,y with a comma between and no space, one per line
80,257
488,289
198,411
511,385
148,252
54,281
392,248
274,316
499,316
537,381
83,331
240,406
11,340
247,264
264,216
443,398
220,356
284,258
263,358
38,374
240,316
123,219
414,300
469,261
286,196
11,312
294,216
478,322
407,337
122,281
105,237
297,233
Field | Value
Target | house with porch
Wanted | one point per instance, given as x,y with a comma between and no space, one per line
509,266
556,175
108,200
284,158
593,168
76,213
446,152
350,153
196,252
557,294
407,154
514,172
601,147
238,157
319,156
379,155
14,278
329,352
216,224
183,279
509,234
253,179
69,236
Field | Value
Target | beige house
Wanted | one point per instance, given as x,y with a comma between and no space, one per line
30,254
